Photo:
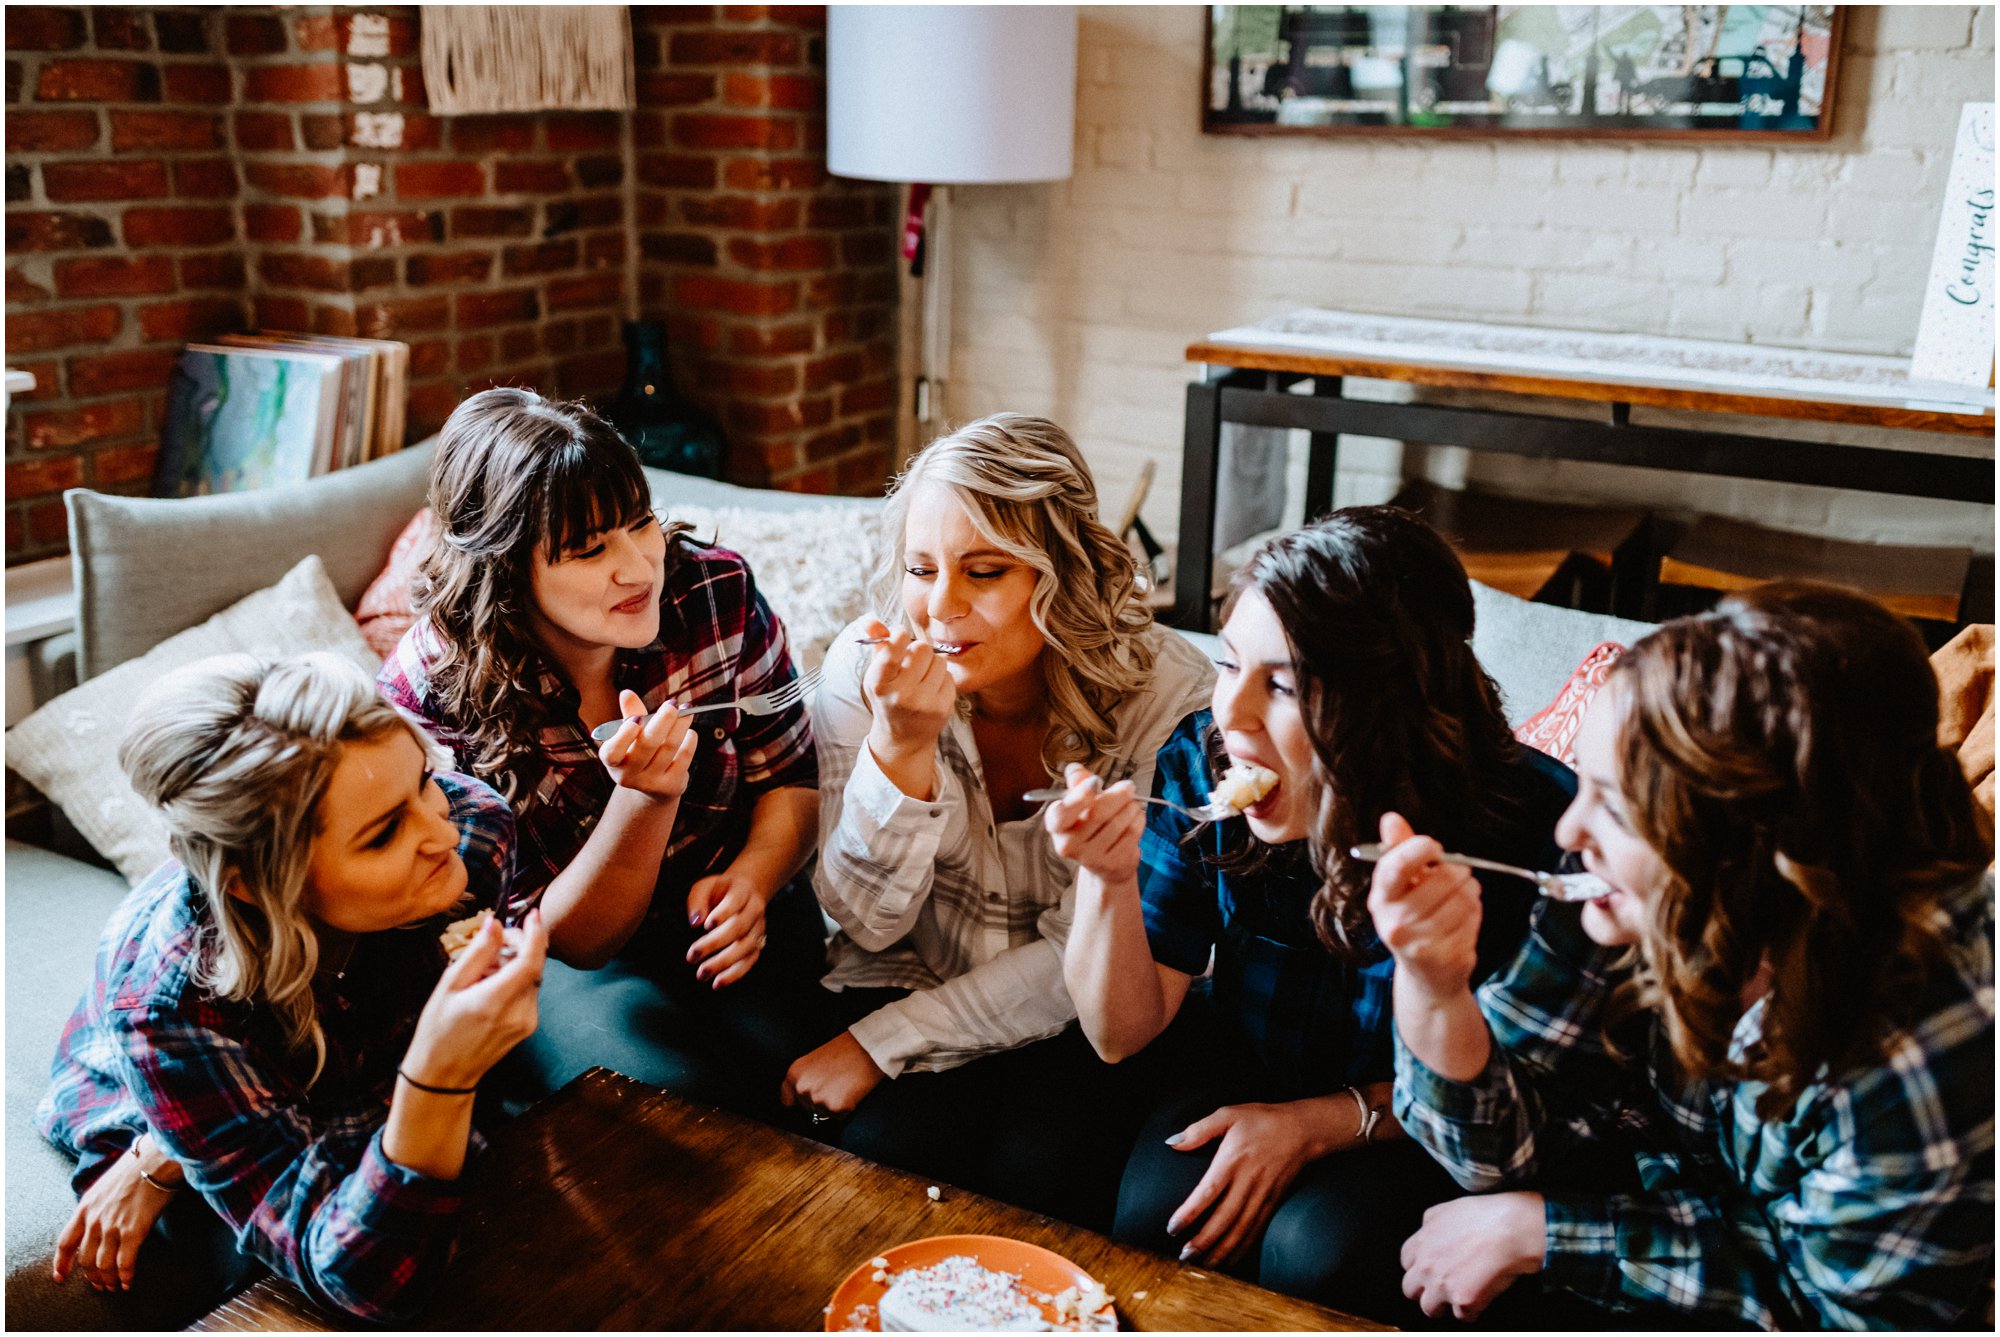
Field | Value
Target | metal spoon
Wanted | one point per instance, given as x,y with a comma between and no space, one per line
946,651
1558,886
1211,811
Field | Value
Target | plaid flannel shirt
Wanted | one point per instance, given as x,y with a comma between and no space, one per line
1315,1023
296,1170
718,641
936,897
1868,1204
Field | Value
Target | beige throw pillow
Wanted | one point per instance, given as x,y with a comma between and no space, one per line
69,748
811,566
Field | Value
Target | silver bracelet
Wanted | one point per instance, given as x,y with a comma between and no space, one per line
139,1166
1369,1115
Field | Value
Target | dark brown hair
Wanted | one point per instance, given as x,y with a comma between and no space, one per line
1780,755
1401,716
516,475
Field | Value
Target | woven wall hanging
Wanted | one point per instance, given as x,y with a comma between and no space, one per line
482,58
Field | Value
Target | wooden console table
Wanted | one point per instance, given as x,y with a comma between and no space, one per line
1251,370
615,1205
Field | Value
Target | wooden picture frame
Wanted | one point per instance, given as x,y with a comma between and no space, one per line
1682,72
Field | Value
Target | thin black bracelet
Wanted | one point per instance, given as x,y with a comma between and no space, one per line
437,1090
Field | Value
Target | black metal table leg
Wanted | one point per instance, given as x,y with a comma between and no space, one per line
1201,458
1322,456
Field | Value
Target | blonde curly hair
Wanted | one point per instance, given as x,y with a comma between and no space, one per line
1025,487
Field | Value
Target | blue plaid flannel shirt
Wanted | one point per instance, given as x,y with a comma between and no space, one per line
1315,1023
1868,1205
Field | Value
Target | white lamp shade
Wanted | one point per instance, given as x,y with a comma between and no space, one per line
950,94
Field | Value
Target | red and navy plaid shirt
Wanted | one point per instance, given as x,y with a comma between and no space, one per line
295,1166
718,641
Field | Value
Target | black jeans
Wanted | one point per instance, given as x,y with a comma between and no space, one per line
1046,1126
645,1015
1337,1235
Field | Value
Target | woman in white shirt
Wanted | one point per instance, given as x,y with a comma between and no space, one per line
1024,644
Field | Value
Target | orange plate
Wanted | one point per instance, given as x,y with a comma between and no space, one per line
1037,1267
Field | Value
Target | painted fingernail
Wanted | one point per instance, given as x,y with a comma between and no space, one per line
694,921
1187,1253
1176,1139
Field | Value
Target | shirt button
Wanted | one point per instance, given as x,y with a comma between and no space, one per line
937,812
719,733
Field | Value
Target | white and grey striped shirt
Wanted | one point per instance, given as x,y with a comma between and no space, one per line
935,897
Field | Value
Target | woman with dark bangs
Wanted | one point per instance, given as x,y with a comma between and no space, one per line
1348,675
551,601
1780,1010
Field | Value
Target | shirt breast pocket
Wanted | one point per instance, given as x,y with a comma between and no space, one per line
716,771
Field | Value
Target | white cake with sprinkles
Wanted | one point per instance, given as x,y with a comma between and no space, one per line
959,1295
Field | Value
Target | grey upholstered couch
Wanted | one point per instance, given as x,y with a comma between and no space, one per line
146,569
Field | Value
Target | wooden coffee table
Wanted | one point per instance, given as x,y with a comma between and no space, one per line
616,1205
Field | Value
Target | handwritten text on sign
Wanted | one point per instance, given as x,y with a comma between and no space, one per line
1955,334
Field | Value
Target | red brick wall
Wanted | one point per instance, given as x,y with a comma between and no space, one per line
496,245
123,241
172,174
778,282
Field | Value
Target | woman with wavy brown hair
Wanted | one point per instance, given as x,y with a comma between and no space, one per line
553,600
1021,641
1349,676
1779,1011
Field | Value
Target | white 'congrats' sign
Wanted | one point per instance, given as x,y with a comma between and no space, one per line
1955,334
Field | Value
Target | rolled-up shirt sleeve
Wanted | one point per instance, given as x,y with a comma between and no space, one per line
878,846
1014,999
343,1222
972,917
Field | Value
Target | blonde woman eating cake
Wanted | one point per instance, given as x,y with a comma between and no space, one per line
1020,644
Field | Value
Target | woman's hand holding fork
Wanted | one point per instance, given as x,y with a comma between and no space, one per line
650,754
912,697
1097,829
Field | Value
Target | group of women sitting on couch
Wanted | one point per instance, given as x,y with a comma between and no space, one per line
1750,1083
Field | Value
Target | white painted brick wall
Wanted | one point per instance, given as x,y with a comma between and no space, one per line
1078,299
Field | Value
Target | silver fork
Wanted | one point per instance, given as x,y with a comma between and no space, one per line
763,703
1557,886
1207,812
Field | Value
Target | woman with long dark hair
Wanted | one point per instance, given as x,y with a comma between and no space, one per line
553,600
1780,1011
1349,677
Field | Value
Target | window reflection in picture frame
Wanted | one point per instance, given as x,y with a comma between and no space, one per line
1742,72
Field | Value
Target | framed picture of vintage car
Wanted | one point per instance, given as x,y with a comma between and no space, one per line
1745,72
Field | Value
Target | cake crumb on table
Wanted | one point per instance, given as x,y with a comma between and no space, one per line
934,1193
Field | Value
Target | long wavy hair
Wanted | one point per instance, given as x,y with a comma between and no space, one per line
1028,492
516,476
1780,755
235,753
1401,716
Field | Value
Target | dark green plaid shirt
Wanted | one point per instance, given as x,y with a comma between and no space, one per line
1869,1205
